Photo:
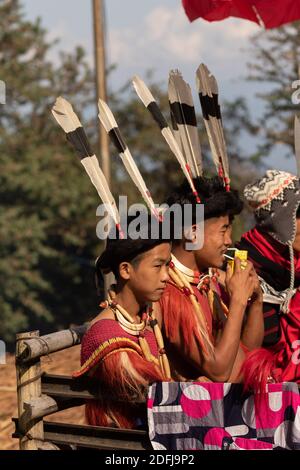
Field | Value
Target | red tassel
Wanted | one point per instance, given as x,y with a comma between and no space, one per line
180,315
257,370
97,415
109,411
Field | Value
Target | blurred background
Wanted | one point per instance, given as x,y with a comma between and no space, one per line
48,220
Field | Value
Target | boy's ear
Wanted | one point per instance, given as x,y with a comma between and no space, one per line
190,234
125,270
194,237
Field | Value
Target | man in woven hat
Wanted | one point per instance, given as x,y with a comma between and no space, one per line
203,336
273,246
123,348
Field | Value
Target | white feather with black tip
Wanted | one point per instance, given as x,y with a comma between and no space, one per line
209,99
68,120
184,117
110,125
150,103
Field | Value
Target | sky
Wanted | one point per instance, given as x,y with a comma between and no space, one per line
156,35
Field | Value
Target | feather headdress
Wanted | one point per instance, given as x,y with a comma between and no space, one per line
70,123
148,100
110,125
209,99
184,121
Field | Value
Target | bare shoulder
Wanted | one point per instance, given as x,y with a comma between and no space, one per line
106,314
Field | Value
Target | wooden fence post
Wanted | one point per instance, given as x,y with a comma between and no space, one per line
28,387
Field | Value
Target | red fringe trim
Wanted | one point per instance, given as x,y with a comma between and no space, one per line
97,415
123,414
103,350
180,316
257,369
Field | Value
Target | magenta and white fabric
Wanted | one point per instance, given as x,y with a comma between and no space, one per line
218,416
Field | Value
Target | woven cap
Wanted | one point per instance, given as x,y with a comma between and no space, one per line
150,234
275,199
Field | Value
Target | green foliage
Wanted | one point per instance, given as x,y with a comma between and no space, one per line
48,206
276,64
47,210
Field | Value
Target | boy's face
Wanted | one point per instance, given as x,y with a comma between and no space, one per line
217,238
149,277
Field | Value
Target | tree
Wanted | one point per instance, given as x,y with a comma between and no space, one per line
276,63
47,209
47,204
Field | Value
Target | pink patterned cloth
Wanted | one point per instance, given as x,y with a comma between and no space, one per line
218,416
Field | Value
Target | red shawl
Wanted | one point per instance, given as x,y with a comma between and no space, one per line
281,360
115,359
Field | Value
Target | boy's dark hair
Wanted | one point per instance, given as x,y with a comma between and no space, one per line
119,250
216,200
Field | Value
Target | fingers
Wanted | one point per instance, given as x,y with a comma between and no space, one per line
228,273
249,267
244,280
237,265
253,272
254,276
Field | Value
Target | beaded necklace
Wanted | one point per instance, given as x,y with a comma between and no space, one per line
138,329
181,281
194,277
183,277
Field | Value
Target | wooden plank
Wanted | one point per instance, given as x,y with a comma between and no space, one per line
28,388
94,437
92,442
85,388
44,407
63,386
39,407
44,345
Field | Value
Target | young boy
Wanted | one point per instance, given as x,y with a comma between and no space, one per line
203,336
123,347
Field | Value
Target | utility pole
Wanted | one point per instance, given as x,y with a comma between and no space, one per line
101,92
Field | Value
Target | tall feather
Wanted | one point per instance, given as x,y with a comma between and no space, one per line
297,143
176,131
148,100
184,115
70,123
209,99
110,125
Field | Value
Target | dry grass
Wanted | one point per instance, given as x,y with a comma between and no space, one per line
63,362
